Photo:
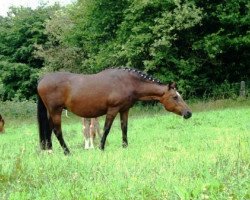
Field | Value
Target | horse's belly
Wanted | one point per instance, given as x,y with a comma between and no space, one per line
88,111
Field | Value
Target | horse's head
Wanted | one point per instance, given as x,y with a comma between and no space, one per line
173,102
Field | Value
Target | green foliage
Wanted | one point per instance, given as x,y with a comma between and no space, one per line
192,42
19,81
56,52
199,44
225,41
95,29
20,32
18,109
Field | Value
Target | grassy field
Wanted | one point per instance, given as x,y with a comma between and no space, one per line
205,157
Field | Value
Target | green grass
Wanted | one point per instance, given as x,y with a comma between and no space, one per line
205,157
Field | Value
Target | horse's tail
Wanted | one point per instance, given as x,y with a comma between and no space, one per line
43,124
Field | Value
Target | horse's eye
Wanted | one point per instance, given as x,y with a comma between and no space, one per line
175,97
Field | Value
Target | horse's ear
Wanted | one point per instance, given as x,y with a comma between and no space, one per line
172,85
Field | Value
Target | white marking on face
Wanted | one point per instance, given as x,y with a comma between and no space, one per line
178,94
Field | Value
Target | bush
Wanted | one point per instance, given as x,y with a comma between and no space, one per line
14,109
18,80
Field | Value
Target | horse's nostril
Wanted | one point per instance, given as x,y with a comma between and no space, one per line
188,115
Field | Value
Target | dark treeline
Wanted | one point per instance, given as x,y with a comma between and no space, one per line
203,45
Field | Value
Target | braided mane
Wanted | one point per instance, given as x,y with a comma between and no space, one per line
140,74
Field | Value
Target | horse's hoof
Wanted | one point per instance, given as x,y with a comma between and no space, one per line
124,145
101,148
89,148
66,153
50,151
47,151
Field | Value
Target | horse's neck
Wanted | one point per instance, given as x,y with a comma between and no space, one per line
149,91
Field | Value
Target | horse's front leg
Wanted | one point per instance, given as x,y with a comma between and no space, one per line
124,127
111,114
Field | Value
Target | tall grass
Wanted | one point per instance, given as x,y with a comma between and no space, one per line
206,157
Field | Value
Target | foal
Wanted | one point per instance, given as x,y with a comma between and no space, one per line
1,124
91,127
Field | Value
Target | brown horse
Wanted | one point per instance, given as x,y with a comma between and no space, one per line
1,124
109,92
91,127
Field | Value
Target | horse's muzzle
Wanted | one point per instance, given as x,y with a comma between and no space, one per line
187,114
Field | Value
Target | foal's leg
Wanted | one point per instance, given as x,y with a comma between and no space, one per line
92,132
58,131
97,128
124,125
108,122
86,132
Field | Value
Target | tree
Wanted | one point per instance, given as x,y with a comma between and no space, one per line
19,81
20,32
199,44
95,29
148,35
223,43
56,52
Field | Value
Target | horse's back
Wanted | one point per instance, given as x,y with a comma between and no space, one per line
103,82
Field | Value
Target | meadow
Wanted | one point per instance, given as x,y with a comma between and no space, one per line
205,157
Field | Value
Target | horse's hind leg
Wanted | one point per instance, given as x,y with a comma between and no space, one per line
48,144
124,125
56,119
